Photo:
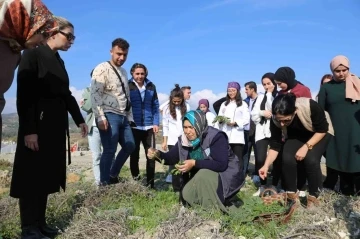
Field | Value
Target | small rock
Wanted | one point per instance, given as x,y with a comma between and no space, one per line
242,237
343,235
134,218
73,178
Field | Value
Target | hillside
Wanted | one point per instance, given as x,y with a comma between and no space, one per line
11,125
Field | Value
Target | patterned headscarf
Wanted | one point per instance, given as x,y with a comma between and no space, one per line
197,119
22,19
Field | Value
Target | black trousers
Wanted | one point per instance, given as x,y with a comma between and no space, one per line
147,138
33,210
332,176
176,179
309,166
248,147
262,147
350,183
238,151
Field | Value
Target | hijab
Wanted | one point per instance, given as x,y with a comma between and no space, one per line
22,19
204,102
198,120
352,83
286,75
271,76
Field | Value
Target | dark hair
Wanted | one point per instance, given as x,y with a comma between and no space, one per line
327,76
252,85
121,43
177,92
138,65
238,99
186,88
284,104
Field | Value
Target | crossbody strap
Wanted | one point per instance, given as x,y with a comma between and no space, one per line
122,83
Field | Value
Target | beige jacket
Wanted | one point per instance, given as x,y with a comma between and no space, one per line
106,92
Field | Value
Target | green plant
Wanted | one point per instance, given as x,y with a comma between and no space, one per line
221,119
176,171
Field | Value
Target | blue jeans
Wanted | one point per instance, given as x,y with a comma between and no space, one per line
119,131
95,147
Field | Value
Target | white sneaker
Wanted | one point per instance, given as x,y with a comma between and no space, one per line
259,192
302,194
168,178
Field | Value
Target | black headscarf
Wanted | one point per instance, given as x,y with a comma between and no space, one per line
286,75
271,76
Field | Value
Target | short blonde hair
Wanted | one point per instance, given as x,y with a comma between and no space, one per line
63,23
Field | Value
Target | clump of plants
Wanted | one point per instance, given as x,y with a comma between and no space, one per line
221,119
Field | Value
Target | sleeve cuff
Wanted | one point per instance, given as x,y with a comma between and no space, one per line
101,118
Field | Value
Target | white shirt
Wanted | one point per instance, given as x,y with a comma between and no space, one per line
172,128
261,131
210,116
240,115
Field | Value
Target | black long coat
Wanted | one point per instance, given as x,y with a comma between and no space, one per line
43,103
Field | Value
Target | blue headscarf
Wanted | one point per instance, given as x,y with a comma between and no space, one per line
197,119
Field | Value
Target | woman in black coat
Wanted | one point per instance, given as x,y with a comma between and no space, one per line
43,103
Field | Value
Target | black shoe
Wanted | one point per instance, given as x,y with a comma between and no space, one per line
32,233
47,230
114,180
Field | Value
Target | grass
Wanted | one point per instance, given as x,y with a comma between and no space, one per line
130,210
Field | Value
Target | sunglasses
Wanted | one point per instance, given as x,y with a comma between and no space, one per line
69,36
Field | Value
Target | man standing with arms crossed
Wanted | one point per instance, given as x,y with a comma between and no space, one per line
112,108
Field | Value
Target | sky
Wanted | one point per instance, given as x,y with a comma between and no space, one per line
208,43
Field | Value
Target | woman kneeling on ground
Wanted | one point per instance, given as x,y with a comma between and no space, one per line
306,133
209,168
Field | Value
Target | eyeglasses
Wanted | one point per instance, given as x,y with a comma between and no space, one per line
285,121
69,36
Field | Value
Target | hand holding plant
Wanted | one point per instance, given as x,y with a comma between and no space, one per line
221,119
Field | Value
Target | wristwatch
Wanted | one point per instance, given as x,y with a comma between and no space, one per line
310,146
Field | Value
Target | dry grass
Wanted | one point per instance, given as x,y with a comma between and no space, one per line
86,224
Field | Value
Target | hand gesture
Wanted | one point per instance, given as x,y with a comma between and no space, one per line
31,141
156,129
164,146
152,153
267,114
301,153
231,124
103,125
186,166
84,129
263,172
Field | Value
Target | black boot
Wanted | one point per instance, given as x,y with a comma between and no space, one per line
42,225
29,214
32,232
114,180
47,230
